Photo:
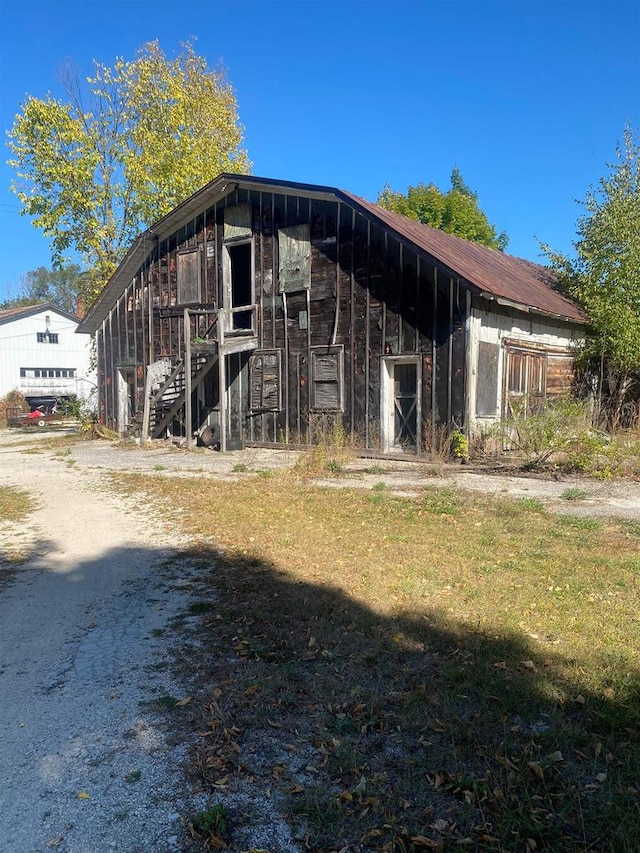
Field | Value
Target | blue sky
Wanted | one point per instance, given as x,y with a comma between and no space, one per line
527,97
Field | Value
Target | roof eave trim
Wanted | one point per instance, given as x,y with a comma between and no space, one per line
531,309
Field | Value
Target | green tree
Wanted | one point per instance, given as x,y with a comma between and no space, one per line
604,277
122,149
59,286
455,211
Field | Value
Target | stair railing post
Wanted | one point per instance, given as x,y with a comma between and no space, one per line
187,377
146,415
222,382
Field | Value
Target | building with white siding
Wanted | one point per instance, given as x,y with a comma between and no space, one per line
43,357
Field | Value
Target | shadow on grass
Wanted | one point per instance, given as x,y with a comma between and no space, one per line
365,732
373,733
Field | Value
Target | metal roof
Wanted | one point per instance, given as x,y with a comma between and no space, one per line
494,275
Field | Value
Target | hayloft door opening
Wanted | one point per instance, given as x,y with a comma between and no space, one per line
239,285
400,405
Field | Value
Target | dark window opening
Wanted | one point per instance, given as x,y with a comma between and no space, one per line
47,337
48,372
241,285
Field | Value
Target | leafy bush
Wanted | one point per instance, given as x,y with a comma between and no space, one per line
592,452
539,433
13,400
445,442
459,445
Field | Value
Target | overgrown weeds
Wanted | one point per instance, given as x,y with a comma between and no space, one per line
561,435
400,678
332,449
210,826
13,400
15,504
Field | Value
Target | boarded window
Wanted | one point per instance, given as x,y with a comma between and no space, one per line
294,258
487,381
188,273
237,221
265,381
326,379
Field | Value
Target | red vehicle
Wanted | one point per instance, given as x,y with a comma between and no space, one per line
37,417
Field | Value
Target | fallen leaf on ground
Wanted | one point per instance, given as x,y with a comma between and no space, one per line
537,771
428,843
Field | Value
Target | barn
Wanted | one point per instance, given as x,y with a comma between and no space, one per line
262,312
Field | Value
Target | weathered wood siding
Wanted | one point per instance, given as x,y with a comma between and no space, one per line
371,294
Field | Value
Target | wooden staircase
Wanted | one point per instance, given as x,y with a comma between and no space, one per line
169,385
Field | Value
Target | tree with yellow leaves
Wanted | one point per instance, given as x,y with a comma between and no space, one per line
114,155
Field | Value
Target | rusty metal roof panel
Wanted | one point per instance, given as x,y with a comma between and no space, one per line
496,275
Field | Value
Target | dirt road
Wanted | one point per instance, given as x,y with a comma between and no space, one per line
84,767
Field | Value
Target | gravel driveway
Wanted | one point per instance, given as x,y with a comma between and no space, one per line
85,766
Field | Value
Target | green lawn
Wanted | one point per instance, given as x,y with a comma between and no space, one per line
444,673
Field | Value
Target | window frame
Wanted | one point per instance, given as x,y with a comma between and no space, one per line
228,301
528,364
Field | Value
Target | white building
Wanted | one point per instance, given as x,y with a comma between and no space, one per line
42,356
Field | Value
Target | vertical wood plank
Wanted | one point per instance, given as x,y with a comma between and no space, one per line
113,373
188,426
434,374
367,332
